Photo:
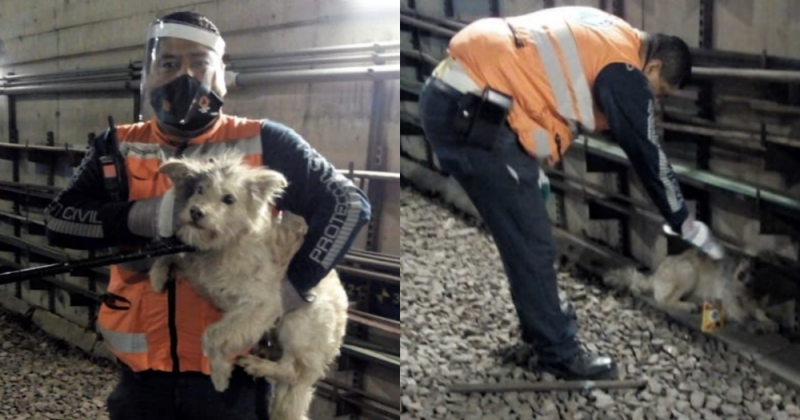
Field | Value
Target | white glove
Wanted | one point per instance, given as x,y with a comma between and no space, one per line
154,217
166,215
699,235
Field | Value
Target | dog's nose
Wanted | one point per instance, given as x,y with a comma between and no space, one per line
196,214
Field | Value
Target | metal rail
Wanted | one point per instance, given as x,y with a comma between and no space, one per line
373,263
696,176
316,61
377,48
369,275
338,49
548,386
349,74
360,174
73,266
684,172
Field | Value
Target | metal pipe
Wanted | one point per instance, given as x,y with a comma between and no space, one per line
313,61
419,55
742,60
378,47
430,27
92,79
339,49
369,275
40,148
373,263
349,74
376,255
759,105
67,87
21,218
374,175
784,76
730,133
602,195
85,264
451,24
136,65
99,79
697,176
363,320
547,386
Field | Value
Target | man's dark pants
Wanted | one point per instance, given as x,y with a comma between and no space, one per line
503,185
154,395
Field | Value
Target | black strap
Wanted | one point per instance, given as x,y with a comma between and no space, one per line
110,299
107,154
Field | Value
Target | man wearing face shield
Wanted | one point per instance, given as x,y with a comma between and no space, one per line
158,337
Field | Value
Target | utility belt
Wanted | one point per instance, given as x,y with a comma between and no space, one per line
481,113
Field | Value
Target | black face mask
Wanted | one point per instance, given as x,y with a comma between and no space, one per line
185,103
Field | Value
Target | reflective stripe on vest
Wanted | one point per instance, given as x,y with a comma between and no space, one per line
122,342
569,85
542,140
139,150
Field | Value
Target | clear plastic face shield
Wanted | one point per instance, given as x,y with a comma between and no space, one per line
183,78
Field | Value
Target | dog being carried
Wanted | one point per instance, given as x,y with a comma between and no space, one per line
243,253
682,282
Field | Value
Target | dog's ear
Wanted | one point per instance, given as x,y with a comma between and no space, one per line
267,185
176,170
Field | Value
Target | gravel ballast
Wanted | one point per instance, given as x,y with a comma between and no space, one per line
459,326
43,379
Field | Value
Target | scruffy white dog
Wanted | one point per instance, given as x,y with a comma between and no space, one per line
242,255
682,282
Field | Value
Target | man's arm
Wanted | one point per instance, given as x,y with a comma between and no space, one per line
623,95
82,216
334,209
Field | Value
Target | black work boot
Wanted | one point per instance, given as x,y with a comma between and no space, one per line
582,366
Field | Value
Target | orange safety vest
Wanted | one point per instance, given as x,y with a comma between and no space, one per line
552,71
140,336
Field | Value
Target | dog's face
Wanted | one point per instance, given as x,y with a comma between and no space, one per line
220,199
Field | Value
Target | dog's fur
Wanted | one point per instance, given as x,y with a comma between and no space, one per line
243,253
682,282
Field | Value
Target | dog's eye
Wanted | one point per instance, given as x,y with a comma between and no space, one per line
228,199
200,189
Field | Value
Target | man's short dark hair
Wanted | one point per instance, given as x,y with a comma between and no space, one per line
676,60
193,18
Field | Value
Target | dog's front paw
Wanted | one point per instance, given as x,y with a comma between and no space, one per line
220,378
254,366
211,345
159,274
292,231
158,282
294,223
